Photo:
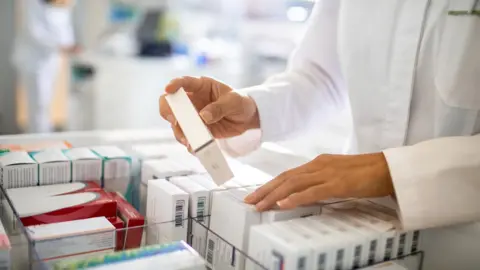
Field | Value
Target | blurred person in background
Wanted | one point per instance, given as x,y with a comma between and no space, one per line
409,72
46,35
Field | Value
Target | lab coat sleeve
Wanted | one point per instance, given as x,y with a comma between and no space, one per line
311,87
437,182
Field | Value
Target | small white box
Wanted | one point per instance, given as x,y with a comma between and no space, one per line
18,169
163,169
5,249
199,208
53,167
203,144
86,166
116,163
78,237
167,212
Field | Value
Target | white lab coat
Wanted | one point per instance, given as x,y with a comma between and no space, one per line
45,30
410,74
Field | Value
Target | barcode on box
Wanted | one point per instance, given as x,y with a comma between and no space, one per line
201,209
416,235
179,210
301,264
373,249
401,245
322,261
357,257
339,259
389,249
210,250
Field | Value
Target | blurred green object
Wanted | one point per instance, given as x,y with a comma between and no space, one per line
82,72
122,12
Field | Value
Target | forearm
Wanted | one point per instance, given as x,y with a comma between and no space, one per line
437,182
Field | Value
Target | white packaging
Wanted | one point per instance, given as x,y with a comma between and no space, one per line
386,266
116,163
18,169
247,175
201,141
163,169
167,213
199,206
86,165
5,248
65,239
53,167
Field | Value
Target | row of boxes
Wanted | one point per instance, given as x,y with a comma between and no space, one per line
55,166
347,235
67,220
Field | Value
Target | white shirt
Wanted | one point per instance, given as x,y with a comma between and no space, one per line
410,73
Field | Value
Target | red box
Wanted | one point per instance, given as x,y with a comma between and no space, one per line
134,221
120,231
53,209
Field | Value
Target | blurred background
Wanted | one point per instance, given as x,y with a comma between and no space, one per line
132,48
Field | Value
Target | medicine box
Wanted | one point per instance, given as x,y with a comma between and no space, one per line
197,134
78,237
167,212
163,169
116,163
85,164
18,169
133,221
54,190
53,167
119,231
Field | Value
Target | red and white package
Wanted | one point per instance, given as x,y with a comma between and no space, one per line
134,221
54,190
119,230
38,209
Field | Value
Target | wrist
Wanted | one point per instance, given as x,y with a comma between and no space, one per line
254,119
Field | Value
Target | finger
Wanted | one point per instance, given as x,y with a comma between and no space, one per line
294,184
264,190
177,131
226,105
189,84
165,110
310,196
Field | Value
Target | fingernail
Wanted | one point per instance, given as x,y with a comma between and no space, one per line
206,116
171,119
284,204
249,199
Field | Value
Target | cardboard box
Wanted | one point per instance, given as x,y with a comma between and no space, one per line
197,134
116,163
133,220
163,169
5,249
34,147
79,237
53,167
54,190
119,232
54,209
174,256
18,169
167,212
199,206
86,165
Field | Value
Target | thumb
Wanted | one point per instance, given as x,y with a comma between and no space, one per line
219,109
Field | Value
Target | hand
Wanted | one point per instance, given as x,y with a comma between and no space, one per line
225,112
326,177
75,49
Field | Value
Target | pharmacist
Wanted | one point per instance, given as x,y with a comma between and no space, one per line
408,70
47,33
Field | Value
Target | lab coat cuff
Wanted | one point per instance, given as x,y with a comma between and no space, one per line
267,112
408,195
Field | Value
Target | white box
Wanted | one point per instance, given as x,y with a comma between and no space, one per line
5,248
18,169
53,167
64,239
116,163
86,165
201,141
167,213
163,169
199,206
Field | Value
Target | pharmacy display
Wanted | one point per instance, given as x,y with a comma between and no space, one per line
75,209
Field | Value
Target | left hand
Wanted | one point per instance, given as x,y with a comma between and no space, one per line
326,177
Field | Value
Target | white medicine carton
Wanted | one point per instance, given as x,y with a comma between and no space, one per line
116,163
53,167
163,169
86,166
18,169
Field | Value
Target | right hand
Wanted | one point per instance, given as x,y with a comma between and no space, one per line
75,49
226,113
